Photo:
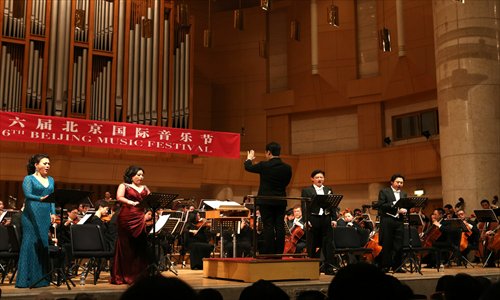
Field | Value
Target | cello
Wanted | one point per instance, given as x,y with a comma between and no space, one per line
431,235
373,244
464,239
292,239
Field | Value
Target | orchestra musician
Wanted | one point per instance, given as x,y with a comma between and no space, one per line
196,240
469,240
391,224
244,237
363,219
321,223
2,208
99,218
295,241
484,228
441,237
347,220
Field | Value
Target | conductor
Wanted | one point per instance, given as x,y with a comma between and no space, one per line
275,175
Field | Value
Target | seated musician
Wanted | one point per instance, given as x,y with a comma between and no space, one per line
5,221
363,219
296,230
440,236
62,235
98,218
469,239
347,220
243,240
83,208
196,240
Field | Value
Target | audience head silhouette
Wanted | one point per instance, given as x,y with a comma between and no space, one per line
263,289
347,283
149,287
209,294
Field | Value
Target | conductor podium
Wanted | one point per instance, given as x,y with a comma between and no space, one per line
251,269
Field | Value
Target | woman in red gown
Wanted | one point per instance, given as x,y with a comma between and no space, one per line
132,256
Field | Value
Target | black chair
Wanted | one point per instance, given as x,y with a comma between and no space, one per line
9,251
87,242
349,241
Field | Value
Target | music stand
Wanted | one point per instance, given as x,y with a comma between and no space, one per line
487,216
154,201
327,202
457,225
63,197
411,257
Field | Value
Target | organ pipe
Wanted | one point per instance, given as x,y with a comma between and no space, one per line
59,72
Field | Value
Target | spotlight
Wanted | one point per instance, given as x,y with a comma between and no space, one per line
385,40
265,4
387,140
295,30
426,133
238,19
207,38
333,15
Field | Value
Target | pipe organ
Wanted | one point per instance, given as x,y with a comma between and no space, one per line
107,60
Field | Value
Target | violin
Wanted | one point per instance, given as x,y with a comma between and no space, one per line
203,223
107,218
57,220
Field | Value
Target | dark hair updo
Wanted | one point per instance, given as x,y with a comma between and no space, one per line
131,172
35,159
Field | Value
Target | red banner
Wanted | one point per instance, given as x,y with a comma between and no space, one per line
20,127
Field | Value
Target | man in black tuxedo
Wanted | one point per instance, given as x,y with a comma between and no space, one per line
391,224
275,175
321,232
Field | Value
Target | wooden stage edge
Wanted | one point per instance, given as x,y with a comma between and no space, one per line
231,289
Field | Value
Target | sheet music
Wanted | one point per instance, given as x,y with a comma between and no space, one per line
215,204
162,220
85,218
3,216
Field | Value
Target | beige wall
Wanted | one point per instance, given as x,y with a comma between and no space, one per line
231,94
324,132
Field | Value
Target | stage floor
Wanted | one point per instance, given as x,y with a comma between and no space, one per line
421,284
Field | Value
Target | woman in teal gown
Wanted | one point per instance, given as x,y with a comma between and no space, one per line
36,219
